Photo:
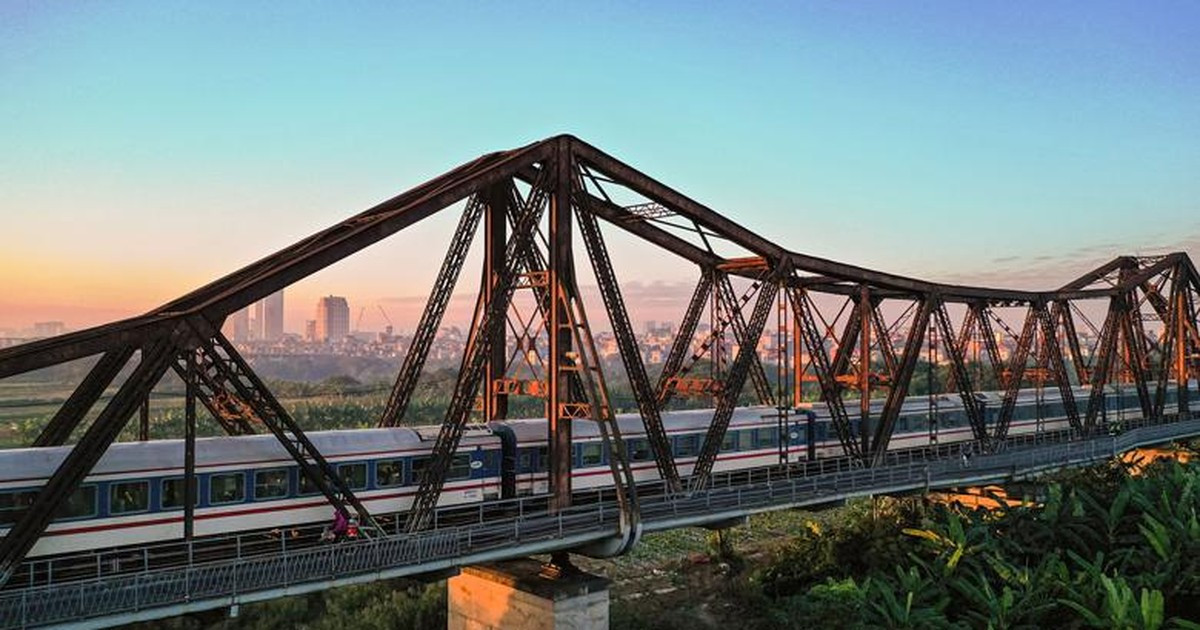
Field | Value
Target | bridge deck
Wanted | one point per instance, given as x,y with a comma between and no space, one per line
168,592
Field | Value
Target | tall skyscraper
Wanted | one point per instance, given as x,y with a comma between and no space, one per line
237,326
272,316
333,319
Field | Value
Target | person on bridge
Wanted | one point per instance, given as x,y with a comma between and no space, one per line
341,525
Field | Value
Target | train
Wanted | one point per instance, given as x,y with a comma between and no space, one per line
135,493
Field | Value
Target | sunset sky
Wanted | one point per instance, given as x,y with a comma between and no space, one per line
147,148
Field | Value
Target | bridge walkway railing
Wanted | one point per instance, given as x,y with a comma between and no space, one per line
156,593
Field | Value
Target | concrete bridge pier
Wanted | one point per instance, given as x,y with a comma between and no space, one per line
521,594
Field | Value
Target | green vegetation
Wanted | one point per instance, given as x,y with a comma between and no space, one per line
1108,551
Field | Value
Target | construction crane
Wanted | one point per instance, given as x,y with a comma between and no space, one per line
358,323
388,330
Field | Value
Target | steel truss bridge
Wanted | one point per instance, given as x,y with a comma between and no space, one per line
851,334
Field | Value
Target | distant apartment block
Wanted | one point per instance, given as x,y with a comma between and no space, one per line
48,329
237,326
272,317
261,321
333,319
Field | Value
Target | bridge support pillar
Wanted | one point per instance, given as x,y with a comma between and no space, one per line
515,594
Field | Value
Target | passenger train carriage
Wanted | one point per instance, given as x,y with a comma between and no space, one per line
135,493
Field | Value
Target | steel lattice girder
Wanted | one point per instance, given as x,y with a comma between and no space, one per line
215,301
490,325
734,381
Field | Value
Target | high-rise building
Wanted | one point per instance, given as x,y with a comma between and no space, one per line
272,317
237,326
310,330
333,319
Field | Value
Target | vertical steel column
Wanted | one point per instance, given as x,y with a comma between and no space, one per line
190,485
798,370
1135,348
495,403
1180,307
864,369
560,359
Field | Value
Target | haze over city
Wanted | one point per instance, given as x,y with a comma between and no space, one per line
152,149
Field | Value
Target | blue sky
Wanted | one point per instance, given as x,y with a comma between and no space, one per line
149,147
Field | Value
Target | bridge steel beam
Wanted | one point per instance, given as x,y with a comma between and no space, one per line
1016,373
734,381
683,338
475,355
233,369
79,462
500,209
67,418
631,356
961,375
1102,364
431,316
560,363
831,393
899,389
222,401
737,322
1052,347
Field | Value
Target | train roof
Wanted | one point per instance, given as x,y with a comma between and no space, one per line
37,463
683,420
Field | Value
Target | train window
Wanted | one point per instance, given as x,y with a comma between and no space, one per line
128,496
639,450
389,473
270,484
765,438
353,475
81,503
172,493
730,441
418,467
226,488
460,468
306,485
525,461
687,445
590,454
13,504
